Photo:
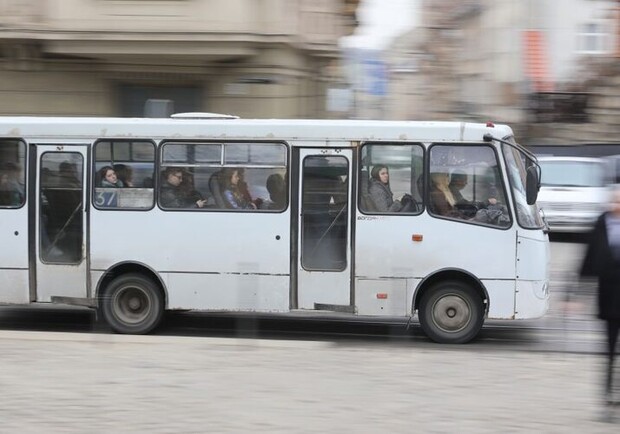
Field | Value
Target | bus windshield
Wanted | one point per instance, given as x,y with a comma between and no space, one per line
517,162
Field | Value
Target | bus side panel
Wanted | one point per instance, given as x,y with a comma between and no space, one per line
501,298
382,297
385,248
14,275
209,256
533,265
228,292
14,286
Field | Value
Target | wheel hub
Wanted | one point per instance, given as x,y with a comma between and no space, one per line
134,303
131,305
452,313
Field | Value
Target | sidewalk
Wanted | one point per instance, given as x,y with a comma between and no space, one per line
61,382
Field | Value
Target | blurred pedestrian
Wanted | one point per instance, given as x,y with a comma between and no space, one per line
603,261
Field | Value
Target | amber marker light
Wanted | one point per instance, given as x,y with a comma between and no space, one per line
416,237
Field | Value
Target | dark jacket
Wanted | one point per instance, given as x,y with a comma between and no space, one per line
600,262
173,197
382,197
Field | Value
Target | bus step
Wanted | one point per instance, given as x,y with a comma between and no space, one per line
345,308
75,301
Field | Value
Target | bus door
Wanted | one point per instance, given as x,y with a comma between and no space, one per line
61,265
13,223
324,229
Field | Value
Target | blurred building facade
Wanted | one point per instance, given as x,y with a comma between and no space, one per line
523,62
252,58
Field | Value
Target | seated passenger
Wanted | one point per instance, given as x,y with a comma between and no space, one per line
108,178
232,192
125,174
458,181
382,195
442,199
276,186
68,174
12,191
172,195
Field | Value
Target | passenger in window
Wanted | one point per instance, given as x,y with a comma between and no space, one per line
491,190
458,181
172,195
108,178
12,190
381,194
125,174
442,199
233,195
276,186
68,175
245,190
492,211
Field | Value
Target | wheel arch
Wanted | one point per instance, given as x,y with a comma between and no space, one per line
126,267
450,274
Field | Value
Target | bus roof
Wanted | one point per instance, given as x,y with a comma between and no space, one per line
240,129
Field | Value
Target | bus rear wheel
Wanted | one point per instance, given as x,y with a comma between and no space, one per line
132,304
451,312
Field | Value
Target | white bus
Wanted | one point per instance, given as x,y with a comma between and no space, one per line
202,212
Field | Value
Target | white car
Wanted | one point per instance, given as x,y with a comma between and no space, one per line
574,192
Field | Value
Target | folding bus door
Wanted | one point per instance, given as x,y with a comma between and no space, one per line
324,229
61,222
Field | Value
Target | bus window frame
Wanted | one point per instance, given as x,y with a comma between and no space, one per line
350,221
161,164
84,201
93,173
25,170
359,180
501,175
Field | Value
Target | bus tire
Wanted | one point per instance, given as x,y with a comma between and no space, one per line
132,304
451,312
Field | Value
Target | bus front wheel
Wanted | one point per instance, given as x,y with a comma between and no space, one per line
132,304
451,312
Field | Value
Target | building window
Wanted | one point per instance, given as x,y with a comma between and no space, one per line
593,39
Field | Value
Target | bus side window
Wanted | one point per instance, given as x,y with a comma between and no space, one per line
61,223
128,178
12,174
389,179
466,185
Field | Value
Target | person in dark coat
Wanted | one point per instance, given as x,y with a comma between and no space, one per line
172,194
380,191
381,194
602,260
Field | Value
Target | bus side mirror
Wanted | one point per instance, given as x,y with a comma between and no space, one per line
531,185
